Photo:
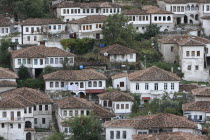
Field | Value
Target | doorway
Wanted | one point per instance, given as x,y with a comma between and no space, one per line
38,72
185,19
28,136
178,20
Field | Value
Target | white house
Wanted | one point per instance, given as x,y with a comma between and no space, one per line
87,27
150,15
68,108
120,103
150,83
191,52
22,110
169,135
198,111
69,11
41,30
124,129
7,80
8,27
205,25
186,12
84,83
118,53
36,58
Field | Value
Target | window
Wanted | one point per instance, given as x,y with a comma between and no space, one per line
196,67
207,8
124,134
51,60
28,38
24,61
118,134
19,125
122,106
62,84
11,125
4,114
41,62
146,86
56,84
46,61
172,49
189,67
137,86
178,8
29,110
25,111
200,117
105,103
40,107
28,61
111,134
89,84
155,18
121,84
100,83
81,85
54,27
94,84
131,56
78,11
71,60
76,112
117,106
46,107
187,53
64,11
35,61
2,125
70,113
156,86
168,18
65,113
2,30
61,60
123,56
174,8
27,29
32,29
34,108
18,114
127,106
193,53
56,60
115,56
51,84
172,86
165,86
164,18
66,130
160,18
43,120
198,53
19,61
182,9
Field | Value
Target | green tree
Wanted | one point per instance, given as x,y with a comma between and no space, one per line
23,73
56,136
85,127
116,30
151,31
48,69
31,83
1,138
4,52
78,46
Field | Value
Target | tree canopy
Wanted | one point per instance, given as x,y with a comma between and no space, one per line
5,43
116,30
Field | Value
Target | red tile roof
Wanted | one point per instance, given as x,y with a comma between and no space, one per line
203,91
69,4
169,136
116,96
41,21
203,106
75,75
154,121
7,74
90,19
135,12
40,52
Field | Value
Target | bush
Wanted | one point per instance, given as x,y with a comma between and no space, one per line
23,73
31,83
78,46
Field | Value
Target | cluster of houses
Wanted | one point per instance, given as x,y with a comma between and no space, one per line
24,110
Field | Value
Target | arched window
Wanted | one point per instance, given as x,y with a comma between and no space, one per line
89,84
28,124
192,16
105,103
94,84
197,7
81,85
100,84
192,8
28,136
188,8
196,17
71,83
169,18
77,83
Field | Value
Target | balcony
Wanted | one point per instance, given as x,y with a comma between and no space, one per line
16,119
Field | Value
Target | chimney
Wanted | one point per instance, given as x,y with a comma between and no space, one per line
172,69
